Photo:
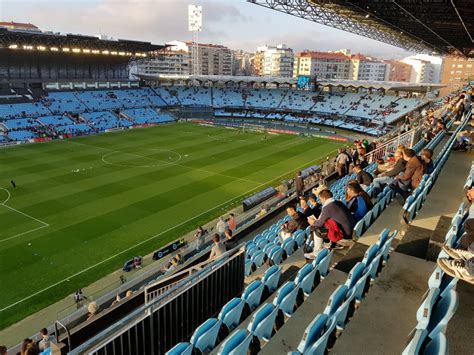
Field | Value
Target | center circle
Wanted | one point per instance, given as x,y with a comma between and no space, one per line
141,158
4,196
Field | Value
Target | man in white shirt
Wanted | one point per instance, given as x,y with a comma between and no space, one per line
341,162
221,226
218,248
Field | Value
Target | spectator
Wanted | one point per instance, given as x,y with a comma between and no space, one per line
357,201
462,263
32,349
116,300
341,161
387,177
298,221
305,209
426,155
362,176
129,294
46,339
137,262
93,310
221,226
218,248
200,232
3,350
412,175
299,184
230,240
232,222
315,207
334,223
79,298
25,345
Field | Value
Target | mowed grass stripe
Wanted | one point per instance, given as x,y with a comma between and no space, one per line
114,216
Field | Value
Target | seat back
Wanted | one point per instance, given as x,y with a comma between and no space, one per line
312,332
205,336
437,345
423,314
323,265
231,312
321,344
237,343
253,294
335,300
416,339
354,275
322,253
370,254
263,321
442,312
272,277
285,298
181,349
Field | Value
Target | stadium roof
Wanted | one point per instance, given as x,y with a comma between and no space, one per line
33,40
385,85
430,26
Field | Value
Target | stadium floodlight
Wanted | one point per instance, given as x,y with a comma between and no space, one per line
54,49
95,51
66,49
13,46
85,50
113,53
106,52
41,48
28,47
121,53
195,26
76,50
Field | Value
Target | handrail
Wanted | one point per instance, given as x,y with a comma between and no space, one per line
407,139
56,332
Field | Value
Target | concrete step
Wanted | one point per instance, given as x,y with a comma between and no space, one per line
388,313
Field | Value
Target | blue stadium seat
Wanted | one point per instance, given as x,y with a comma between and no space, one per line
289,246
231,313
438,345
439,279
354,275
237,343
276,255
258,258
248,267
272,277
285,299
263,321
316,336
306,277
370,254
361,287
299,238
253,294
442,312
335,300
420,343
181,349
324,263
423,313
205,336
374,266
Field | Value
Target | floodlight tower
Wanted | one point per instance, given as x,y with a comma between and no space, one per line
195,26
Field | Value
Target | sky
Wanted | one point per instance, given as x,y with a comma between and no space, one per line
236,24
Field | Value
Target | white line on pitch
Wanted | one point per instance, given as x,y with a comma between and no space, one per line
166,162
159,234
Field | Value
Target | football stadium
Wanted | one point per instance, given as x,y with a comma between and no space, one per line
163,199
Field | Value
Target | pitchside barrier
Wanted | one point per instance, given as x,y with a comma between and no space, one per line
174,314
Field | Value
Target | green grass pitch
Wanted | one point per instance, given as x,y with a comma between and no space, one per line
83,206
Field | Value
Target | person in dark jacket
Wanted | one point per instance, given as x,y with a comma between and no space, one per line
412,175
299,184
297,221
357,201
336,211
315,207
362,176
426,155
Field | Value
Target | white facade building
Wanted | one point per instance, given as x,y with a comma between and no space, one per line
274,61
425,68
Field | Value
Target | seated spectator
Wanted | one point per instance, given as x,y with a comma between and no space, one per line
24,346
305,209
412,175
221,226
315,207
137,262
199,235
46,339
357,201
387,177
298,221
362,176
334,223
230,240
232,222
93,310
218,248
129,294
428,165
117,299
